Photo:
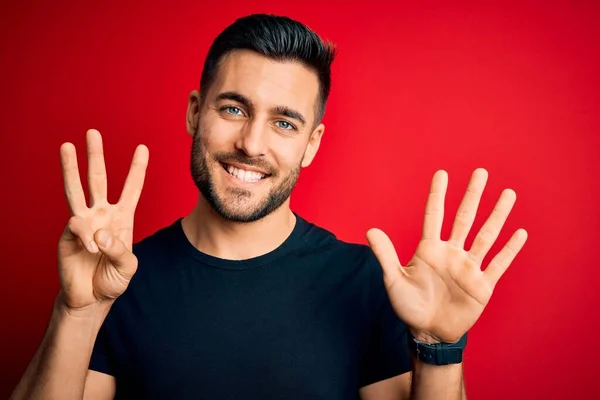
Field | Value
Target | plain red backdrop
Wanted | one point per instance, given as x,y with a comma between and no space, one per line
514,89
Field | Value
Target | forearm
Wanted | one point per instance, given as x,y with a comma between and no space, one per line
440,382
59,367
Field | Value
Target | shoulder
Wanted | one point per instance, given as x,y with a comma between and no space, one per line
157,240
161,247
319,240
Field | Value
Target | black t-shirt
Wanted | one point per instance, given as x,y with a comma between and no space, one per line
309,320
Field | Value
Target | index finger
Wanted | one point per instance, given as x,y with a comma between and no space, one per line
434,209
72,181
135,179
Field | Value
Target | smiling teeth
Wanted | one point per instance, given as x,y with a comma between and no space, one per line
246,176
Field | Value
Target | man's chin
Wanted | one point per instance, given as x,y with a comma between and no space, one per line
236,209
235,214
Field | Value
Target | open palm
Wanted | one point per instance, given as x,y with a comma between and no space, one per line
442,291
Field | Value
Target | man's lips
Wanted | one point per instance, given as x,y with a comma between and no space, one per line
245,167
246,176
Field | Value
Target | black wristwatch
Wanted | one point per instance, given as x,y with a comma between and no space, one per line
438,353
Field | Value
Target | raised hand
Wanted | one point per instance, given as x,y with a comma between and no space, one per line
442,291
95,261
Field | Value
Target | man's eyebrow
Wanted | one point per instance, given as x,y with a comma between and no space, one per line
288,112
240,98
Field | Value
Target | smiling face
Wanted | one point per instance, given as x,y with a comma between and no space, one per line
252,133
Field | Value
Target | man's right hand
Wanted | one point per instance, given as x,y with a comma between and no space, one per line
95,259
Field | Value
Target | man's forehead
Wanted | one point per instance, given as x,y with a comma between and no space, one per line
267,81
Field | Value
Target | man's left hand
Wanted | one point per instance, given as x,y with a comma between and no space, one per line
442,291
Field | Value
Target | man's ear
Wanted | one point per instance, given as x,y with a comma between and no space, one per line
313,145
193,112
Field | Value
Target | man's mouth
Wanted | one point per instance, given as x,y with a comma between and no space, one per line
244,175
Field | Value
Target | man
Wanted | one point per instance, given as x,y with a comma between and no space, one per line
244,299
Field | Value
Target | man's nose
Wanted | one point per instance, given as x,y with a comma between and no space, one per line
253,138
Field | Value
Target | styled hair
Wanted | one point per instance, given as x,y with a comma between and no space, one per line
278,38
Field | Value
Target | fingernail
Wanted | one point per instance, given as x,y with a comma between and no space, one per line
93,246
104,239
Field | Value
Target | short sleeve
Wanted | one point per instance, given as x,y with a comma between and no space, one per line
387,353
102,359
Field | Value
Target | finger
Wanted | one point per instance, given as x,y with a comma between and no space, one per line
383,248
135,179
72,182
505,257
468,208
490,230
78,229
116,251
434,209
96,168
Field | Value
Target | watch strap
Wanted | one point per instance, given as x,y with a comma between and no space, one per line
437,353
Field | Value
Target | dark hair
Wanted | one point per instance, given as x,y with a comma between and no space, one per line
278,38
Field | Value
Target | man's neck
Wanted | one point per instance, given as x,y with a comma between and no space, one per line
212,234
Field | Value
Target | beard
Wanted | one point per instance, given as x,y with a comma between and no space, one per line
235,205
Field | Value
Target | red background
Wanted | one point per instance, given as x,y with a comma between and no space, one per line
514,89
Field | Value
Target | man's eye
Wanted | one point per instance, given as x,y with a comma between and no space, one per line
233,110
285,125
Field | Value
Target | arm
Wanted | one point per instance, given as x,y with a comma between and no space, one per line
443,382
426,382
442,291
59,369
95,265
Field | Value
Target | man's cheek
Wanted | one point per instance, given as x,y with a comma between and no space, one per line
221,137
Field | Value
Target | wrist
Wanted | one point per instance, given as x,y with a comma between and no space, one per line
425,337
430,338
91,313
75,329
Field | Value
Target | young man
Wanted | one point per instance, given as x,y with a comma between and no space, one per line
244,299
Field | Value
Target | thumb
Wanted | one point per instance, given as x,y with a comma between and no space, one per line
383,248
116,251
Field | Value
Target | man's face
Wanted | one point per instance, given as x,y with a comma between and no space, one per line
252,134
